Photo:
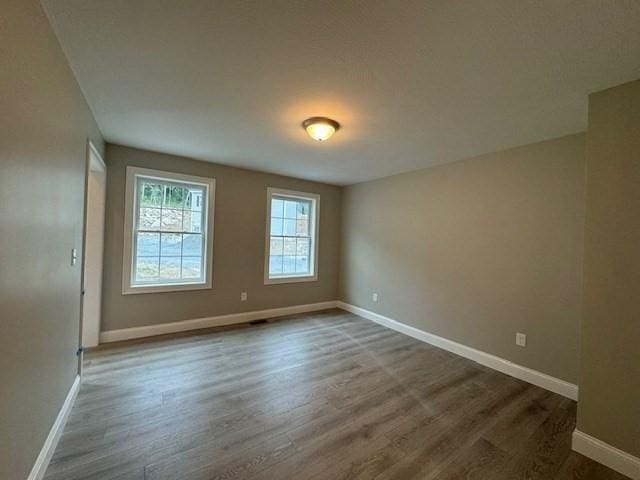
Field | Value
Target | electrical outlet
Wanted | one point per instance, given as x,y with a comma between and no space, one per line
374,297
74,256
243,296
521,339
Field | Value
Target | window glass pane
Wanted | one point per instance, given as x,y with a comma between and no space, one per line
275,264
149,219
277,208
192,245
290,227
174,196
290,209
150,194
302,265
292,230
146,269
288,264
276,246
276,226
303,210
302,247
187,199
170,244
148,245
196,200
302,228
171,220
170,232
170,268
192,267
192,221
289,246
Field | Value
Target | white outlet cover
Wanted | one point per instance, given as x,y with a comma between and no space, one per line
375,297
521,339
243,296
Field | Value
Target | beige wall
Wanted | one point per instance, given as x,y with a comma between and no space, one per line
609,407
476,251
44,125
239,245
473,251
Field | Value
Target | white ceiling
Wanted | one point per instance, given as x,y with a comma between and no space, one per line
414,83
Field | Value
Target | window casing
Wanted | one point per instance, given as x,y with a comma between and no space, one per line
168,238
291,250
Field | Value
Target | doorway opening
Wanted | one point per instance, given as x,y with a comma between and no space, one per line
96,183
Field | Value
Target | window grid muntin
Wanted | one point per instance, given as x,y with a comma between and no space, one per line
159,281
309,237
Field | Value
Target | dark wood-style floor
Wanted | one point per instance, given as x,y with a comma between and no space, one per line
321,396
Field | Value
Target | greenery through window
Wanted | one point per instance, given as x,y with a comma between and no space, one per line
169,241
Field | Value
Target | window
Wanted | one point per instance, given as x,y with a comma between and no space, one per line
292,231
168,231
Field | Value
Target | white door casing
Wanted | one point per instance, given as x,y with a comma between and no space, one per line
94,244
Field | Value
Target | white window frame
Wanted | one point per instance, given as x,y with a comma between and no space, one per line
131,206
314,228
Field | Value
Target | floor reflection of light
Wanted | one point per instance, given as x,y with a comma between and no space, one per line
288,360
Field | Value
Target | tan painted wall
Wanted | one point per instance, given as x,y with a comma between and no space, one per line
240,221
476,251
609,407
44,125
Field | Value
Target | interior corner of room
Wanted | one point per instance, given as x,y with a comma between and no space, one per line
275,272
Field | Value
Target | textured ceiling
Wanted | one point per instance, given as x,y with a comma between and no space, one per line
413,83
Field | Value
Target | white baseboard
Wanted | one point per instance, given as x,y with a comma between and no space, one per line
42,462
529,375
208,322
603,453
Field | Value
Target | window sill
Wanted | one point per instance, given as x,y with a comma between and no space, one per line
294,279
165,288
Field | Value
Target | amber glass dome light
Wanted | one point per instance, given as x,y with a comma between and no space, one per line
320,128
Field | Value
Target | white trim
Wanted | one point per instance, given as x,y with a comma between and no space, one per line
603,453
130,207
207,322
293,278
96,166
529,375
315,216
96,163
44,457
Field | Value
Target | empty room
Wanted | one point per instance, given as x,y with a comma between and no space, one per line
274,240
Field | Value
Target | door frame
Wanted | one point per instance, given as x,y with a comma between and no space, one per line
91,152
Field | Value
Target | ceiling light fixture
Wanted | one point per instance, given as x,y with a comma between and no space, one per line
320,128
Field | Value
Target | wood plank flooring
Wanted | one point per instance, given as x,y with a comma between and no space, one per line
321,396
